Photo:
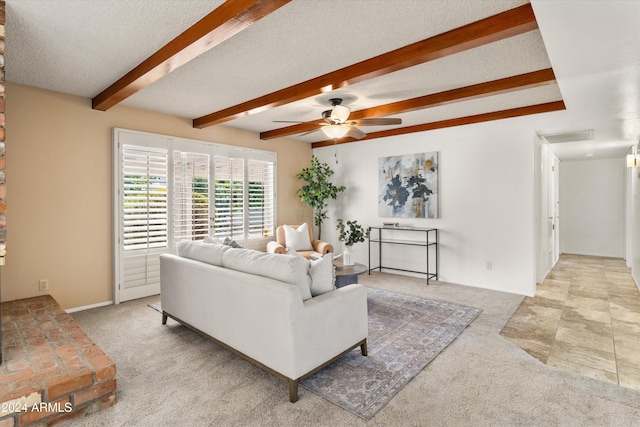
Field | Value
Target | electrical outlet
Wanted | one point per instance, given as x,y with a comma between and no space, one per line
43,284
489,265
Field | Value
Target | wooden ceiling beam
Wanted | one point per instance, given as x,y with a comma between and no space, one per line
460,121
494,28
480,90
223,23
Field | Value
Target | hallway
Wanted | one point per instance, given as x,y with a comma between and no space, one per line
585,318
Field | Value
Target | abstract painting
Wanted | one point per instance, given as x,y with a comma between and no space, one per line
408,186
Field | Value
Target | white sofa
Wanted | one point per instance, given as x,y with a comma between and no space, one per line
259,305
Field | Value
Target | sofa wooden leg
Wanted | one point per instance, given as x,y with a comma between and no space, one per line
164,318
363,347
293,390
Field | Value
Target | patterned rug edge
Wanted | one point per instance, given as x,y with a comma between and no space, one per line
369,411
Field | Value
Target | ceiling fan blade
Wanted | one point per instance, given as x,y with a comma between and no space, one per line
355,133
382,121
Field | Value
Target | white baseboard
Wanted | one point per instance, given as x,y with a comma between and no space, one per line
88,307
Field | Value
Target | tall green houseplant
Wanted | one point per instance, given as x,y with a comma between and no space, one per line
317,190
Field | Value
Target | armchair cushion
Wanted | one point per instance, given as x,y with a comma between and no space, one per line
298,238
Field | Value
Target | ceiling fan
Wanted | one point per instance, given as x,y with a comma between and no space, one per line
336,125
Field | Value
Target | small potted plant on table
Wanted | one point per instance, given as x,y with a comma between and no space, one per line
350,233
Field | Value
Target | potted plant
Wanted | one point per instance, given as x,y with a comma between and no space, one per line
317,190
350,233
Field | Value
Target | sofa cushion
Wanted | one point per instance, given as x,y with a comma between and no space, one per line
286,268
211,253
298,238
322,275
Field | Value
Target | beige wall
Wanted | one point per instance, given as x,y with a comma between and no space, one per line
59,184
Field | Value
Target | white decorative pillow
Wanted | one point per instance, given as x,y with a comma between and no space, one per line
298,239
321,273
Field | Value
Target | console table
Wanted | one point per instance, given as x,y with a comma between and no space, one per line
428,237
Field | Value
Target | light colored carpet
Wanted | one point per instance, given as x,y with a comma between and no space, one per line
405,334
481,379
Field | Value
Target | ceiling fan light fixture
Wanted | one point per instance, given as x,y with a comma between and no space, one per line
340,113
335,131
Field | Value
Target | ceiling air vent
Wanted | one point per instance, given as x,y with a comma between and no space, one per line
557,138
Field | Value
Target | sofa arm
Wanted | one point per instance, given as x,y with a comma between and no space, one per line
274,247
329,324
322,247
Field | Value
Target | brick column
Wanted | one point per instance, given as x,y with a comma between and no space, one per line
3,186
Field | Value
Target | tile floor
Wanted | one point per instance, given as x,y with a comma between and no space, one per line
585,318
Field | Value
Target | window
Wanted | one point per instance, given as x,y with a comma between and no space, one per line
171,189
260,199
244,196
229,198
144,198
190,196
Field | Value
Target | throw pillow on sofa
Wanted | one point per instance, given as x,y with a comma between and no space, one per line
227,241
298,239
231,243
322,275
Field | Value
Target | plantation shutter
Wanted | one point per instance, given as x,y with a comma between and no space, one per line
170,189
144,218
190,196
260,198
229,197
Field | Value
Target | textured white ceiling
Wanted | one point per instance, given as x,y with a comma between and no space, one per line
81,47
467,68
305,39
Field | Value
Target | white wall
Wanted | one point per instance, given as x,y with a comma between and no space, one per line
486,201
592,208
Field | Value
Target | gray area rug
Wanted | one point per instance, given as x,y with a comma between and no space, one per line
405,334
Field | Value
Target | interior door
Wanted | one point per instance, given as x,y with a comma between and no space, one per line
551,216
556,210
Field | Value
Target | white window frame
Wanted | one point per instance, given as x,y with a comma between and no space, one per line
172,144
